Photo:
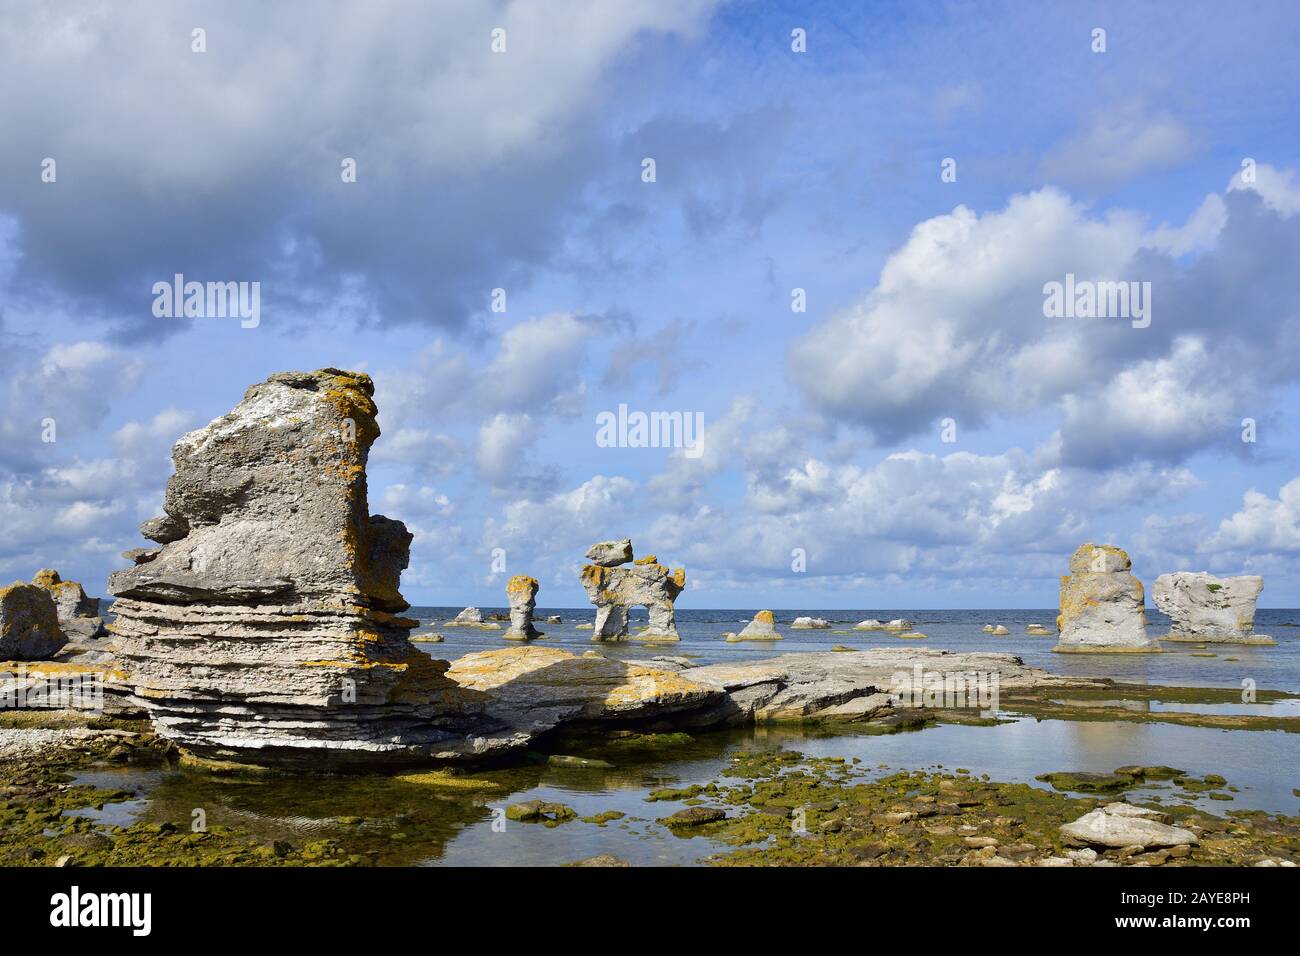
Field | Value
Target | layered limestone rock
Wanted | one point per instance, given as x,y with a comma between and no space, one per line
267,626
1203,607
533,689
522,592
29,624
1102,604
761,628
79,618
614,589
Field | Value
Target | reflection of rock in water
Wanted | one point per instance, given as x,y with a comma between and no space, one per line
384,819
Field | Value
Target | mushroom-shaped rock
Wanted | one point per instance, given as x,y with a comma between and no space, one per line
522,593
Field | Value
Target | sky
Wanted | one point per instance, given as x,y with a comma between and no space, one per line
824,230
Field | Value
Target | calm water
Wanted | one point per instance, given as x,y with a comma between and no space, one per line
1276,668
410,824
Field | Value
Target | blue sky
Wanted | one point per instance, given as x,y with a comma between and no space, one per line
775,170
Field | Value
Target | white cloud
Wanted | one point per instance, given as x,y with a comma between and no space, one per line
1120,142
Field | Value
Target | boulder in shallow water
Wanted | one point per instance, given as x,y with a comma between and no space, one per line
29,623
1202,607
1102,604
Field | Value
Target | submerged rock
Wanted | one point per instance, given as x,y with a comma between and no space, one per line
29,623
522,593
761,628
267,628
1102,604
1203,607
613,590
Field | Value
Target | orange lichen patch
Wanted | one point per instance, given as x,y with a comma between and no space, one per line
54,669
522,583
594,575
47,578
679,577
648,559
765,617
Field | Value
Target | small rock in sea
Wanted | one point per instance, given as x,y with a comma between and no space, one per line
810,623
693,817
899,624
761,628
427,638
604,859
1039,630
912,636
554,619
583,627
564,760
870,624
467,618
539,811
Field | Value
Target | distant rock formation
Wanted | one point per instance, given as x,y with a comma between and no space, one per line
1038,630
1203,607
79,617
614,589
870,624
1102,604
29,623
522,592
266,626
761,628
810,623
998,630
467,618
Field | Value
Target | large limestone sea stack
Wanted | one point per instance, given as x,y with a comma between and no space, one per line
613,589
1102,604
1202,607
266,623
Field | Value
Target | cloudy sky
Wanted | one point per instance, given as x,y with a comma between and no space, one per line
921,431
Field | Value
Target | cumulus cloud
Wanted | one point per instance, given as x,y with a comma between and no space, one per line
227,163
956,328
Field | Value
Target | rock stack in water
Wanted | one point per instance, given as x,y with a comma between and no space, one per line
1205,608
761,628
1102,604
613,589
522,593
265,626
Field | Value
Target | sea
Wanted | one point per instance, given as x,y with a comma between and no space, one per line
407,824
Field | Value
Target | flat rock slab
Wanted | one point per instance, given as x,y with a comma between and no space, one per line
1121,829
534,689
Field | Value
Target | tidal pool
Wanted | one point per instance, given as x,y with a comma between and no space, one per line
393,821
